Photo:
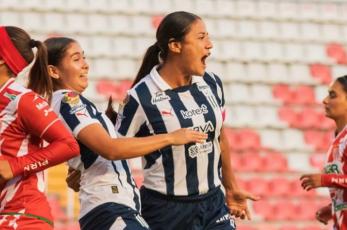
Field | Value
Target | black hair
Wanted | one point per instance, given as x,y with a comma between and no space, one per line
173,27
343,81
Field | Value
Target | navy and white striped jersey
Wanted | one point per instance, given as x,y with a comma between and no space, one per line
153,107
102,180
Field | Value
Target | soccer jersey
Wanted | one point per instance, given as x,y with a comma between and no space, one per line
25,121
153,107
335,178
102,180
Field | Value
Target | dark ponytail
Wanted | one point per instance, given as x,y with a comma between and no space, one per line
110,112
39,80
149,61
174,26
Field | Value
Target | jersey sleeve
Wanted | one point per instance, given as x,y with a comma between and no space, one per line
38,119
130,117
334,180
77,112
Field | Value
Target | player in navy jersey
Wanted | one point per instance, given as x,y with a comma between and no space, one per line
32,138
108,195
182,184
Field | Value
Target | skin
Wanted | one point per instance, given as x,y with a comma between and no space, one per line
335,105
72,73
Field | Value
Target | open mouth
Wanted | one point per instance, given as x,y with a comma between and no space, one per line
203,59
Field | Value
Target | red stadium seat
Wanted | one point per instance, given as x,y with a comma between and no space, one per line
282,92
306,210
284,210
279,186
306,119
337,52
304,95
115,89
264,209
321,72
258,186
156,21
274,162
287,114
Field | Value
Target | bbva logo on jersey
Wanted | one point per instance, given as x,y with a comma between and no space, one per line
207,127
159,96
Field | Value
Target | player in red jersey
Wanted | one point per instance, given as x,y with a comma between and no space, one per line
26,121
334,175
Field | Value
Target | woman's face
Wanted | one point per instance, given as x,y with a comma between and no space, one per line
195,49
335,103
73,69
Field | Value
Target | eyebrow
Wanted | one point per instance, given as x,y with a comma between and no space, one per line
77,53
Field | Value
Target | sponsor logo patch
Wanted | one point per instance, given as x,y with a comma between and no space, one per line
159,97
194,112
199,149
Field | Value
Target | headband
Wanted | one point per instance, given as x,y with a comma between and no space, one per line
10,54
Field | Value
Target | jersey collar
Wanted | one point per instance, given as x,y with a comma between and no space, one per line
163,85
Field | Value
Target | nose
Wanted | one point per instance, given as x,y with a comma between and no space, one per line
85,64
325,100
209,44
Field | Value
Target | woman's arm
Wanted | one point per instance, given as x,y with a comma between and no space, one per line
236,199
39,120
95,137
311,181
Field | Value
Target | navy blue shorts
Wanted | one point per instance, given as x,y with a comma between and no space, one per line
113,216
185,213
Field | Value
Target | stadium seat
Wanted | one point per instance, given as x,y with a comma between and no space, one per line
337,52
321,72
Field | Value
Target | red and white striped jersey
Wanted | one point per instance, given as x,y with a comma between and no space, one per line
26,121
335,178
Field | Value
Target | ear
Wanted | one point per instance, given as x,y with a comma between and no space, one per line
53,71
175,46
2,61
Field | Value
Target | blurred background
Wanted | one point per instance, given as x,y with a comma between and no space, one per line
276,60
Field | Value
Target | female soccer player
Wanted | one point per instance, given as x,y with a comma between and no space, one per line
26,121
182,184
108,194
334,175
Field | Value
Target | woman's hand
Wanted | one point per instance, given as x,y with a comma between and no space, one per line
324,214
73,179
237,203
311,181
185,136
5,171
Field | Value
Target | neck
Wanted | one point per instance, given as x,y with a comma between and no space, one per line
3,79
174,76
340,124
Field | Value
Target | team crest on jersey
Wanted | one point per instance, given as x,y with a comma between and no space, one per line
332,168
159,97
71,98
205,89
10,96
